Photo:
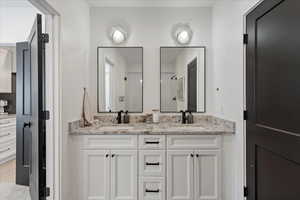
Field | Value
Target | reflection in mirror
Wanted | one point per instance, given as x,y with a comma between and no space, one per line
120,79
182,73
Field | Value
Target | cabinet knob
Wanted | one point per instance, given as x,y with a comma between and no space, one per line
106,155
197,155
113,155
192,155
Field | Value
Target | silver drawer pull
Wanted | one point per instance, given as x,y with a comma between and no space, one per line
152,142
152,191
5,150
156,163
7,134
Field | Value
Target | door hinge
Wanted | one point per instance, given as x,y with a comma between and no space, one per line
245,114
45,38
246,192
245,38
45,115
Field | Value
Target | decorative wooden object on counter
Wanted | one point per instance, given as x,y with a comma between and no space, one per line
85,121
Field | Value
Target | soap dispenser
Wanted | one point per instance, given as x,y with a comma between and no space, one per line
190,118
126,117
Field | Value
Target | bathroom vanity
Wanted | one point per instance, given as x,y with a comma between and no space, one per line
146,161
7,138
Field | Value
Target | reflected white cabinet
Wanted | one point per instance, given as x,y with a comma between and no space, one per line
193,174
110,174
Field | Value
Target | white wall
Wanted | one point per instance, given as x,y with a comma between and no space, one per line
228,76
16,21
150,28
74,63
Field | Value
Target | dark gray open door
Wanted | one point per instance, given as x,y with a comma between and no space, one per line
31,114
192,86
273,101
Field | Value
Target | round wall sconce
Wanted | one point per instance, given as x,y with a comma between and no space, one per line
182,34
118,35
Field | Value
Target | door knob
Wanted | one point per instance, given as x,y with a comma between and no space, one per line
27,124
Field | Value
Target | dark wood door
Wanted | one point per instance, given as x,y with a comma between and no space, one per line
31,114
192,86
273,101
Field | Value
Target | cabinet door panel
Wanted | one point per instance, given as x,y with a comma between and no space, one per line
207,166
180,175
97,175
124,175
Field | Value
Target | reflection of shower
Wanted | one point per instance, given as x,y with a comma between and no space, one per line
174,77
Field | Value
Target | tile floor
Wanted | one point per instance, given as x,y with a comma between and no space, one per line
8,172
8,189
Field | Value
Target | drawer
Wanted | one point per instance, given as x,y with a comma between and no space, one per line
110,142
152,163
193,142
152,189
7,134
152,142
7,122
7,151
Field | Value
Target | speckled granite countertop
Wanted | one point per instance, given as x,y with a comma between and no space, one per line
210,126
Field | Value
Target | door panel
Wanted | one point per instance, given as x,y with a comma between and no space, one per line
97,175
180,175
23,103
207,175
273,96
124,175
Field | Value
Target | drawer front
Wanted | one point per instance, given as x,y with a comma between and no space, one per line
152,142
110,142
152,163
7,122
152,189
7,134
193,142
7,150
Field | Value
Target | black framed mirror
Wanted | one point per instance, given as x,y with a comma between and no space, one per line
120,79
183,79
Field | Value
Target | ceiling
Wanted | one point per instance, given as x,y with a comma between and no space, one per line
151,3
15,3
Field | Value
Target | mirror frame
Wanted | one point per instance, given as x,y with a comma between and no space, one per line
198,47
123,47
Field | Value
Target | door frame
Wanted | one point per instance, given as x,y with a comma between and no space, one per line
245,91
53,96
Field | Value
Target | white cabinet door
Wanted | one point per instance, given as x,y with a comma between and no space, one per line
180,184
124,175
207,175
97,175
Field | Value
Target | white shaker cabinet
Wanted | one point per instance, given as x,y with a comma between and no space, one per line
96,175
123,175
185,167
180,166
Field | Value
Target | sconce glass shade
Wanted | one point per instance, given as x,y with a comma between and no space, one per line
118,35
182,34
